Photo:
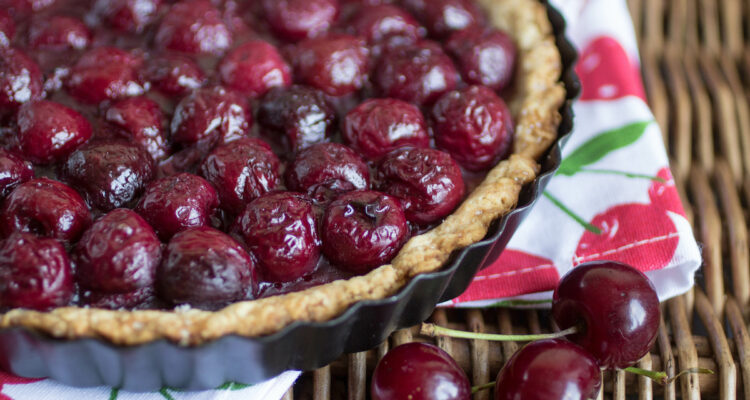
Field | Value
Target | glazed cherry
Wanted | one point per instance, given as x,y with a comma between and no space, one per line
49,131
335,64
427,181
210,116
616,308
14,170
178,202
140,120
59,32
119,253
326,170
363,229
35,273
419,371
7,29
105,73
173,74
46,208
128,15
417,73
241,172
484,57
20,79
193,27
204,267
279,230
109,174
253,68
295,20
378,126
552,369
382,22
300,114
474,125
443,17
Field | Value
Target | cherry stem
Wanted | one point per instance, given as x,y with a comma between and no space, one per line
477,388
623,173
661,376
571,214
433,330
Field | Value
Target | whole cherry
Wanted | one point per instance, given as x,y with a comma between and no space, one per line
46,208
419,371
20,79
615,308
253,68
484,57
206,268
363,229
193,27
325,170
552,369
178,202
128,15
378,126
279,230
427,181
380,22
119,253
49,131
336,64
105,73
173,74
14,170
443,17
474,125
241,171
140,120
295,20
35,273
59,33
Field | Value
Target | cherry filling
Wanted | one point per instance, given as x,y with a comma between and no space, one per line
146,110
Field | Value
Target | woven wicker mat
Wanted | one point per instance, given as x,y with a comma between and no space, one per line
696,68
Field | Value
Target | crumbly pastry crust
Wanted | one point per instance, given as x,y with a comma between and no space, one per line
537,97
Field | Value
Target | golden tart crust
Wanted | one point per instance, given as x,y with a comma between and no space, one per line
537,97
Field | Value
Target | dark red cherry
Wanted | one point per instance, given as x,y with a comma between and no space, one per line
484,57
253,68
300,19
419,371
241,171
443,17
59,32
325,170
336,64
279,230
173,74
116,301
300,114
427,181
417,73
210,116
474,125
381,22
178,202
35,273
140,120
109,174
105,73
119,253
363,229
18,9
49,131
46,208
204,267
20,79
7,29
614,305
193,27
128,15
378,126
14,170
552,369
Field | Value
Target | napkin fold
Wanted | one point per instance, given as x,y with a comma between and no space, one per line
612,199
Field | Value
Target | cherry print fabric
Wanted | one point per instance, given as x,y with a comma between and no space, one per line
614,196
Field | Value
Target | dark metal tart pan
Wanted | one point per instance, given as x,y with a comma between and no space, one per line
303,345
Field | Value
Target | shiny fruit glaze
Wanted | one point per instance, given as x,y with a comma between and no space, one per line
130,130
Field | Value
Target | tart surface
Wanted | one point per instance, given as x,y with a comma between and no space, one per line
536,97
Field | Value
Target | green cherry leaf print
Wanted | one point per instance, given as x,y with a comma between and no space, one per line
600,145
233,386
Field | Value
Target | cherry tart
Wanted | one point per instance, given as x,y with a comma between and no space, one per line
194,168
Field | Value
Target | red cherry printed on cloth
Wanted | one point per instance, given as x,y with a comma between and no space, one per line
607,73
